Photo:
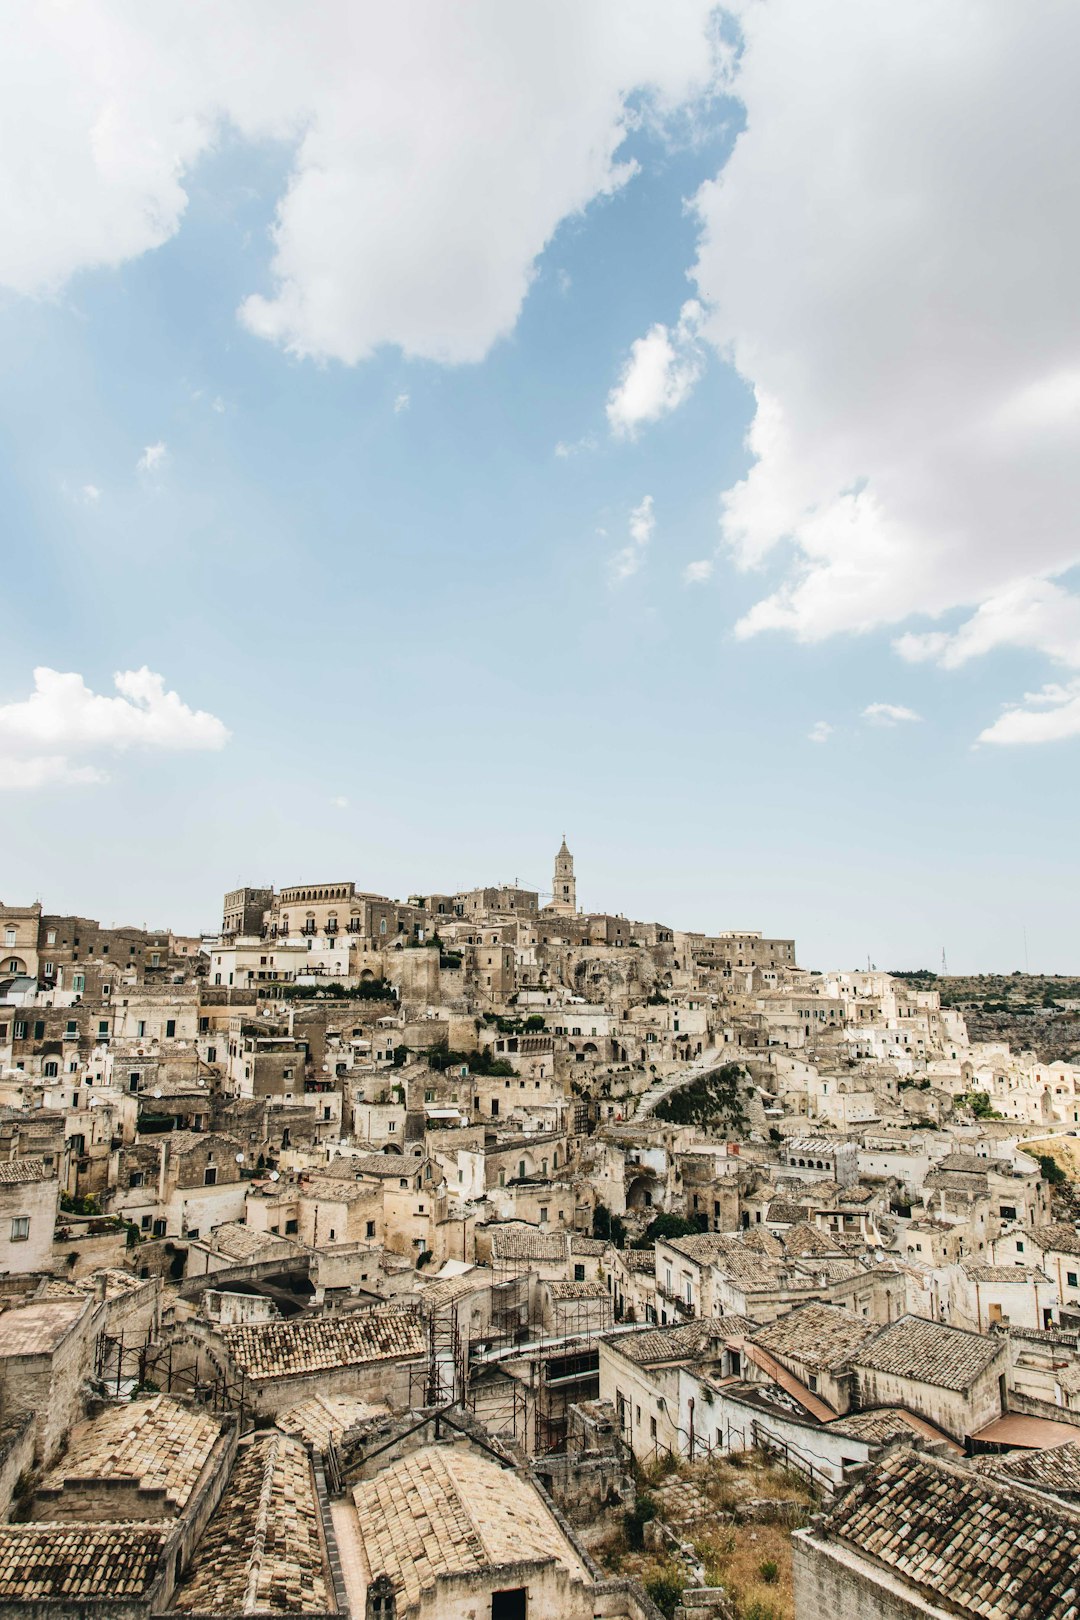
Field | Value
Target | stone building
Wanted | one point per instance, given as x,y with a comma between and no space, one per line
926,1536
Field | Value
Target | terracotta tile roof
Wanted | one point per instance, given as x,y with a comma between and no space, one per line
929,1353
817,1336
384,1164
448,1510
158,1442
1001,1274
682,1341
639,1260
577,1290
262,1550
242,1242
806,1239
444,1290
284,1349
14,1170
1056,1470
528,1243
83,1562
998,1552
881,1424
588,1245
1057,1235
325,1418
782,1211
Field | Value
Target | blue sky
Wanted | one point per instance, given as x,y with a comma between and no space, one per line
407,607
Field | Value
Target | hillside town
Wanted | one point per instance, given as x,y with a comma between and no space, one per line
479,1255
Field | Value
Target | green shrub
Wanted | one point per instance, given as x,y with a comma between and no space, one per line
666,1588
636,1518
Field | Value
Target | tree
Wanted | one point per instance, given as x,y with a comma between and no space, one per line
1051,1170
665,1226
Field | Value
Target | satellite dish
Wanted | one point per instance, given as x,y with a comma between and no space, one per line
275,1175
157,1093
239,1158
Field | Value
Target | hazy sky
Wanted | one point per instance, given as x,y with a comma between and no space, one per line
429,429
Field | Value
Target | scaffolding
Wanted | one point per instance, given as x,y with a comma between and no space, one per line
440,1379
127,1365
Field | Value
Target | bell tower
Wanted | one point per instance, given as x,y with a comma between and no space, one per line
564,887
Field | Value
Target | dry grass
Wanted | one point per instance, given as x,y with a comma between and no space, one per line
1064,1150
732,1554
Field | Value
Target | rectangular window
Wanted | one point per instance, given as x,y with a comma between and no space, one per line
1070,1278
20,1228
210,1176
369,1230
39,1029
579,1273
103,1027
170,1028
78,983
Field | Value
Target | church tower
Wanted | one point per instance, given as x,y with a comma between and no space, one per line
564,888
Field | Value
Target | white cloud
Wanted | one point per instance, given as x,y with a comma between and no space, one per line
565,449
888,714
44,738
659,373
435,149
401,403
819,732
696,573
890,258
90,494
217,404
1051,715
339,801
630,558
153,458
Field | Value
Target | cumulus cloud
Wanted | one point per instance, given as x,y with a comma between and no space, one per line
435,149
632,555
696,573
153,458
820,732
90,494
659,373
47,737
401,403
888,714
890,258
1050,715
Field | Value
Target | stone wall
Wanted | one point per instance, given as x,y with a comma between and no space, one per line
832,1583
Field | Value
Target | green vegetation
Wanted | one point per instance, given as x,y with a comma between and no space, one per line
666,1588
636,1518
979,1104
1051,1170
482,1063
334,990
79,1206
665,1226
715,1098
611,1228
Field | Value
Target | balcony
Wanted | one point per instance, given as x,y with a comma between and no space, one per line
680,1301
